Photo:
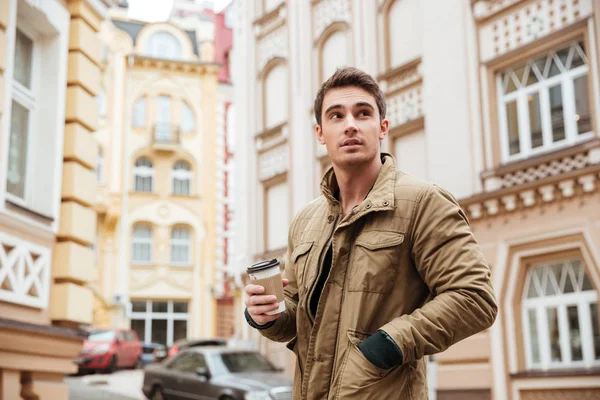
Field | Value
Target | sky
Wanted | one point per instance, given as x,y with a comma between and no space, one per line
158,10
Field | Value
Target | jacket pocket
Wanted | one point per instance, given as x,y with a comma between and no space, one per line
299,258
375,261
358,377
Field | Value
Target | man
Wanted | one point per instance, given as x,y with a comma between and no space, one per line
382,269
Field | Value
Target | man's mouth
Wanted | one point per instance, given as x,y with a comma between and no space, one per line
350,142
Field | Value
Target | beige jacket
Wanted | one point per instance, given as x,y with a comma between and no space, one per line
404,261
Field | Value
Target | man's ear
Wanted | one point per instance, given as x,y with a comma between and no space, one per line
384,129
319,133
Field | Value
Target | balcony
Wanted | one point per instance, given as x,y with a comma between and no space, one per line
165,137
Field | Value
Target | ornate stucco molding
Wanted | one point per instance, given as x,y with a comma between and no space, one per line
270,21
403,89
328,12
507,25
272,45
557,176
195,67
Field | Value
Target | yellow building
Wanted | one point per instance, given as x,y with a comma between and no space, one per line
157,171
50,57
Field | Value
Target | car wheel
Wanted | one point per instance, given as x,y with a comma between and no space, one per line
112,367
225,398
157,394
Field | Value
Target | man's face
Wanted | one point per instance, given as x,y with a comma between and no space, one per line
350,126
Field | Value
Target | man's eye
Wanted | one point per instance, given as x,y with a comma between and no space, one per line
364,113
335,116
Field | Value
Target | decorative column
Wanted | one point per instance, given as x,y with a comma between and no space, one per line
72,301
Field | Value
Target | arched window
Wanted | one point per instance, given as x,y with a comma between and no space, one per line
334,53
181,245
560,316
100,167
139,113
182,178
405,32
163,45
275,93
143,175
142,244
188,123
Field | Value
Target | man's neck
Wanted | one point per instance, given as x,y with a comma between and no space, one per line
355,184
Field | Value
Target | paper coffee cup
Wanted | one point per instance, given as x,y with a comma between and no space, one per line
268,275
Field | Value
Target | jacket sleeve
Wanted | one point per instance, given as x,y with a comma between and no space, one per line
283,329
452,265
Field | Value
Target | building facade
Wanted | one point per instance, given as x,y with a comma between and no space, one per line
497,101
157,178
50,57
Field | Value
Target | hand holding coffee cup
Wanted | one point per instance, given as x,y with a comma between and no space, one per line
265,300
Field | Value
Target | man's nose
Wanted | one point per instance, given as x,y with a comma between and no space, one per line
350,125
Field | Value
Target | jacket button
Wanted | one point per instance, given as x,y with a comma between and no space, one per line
386,203
330,218
381,374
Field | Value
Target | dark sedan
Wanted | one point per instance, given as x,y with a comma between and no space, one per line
217,373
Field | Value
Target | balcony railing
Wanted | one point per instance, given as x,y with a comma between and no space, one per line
165,136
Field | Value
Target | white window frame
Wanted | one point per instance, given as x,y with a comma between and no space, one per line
566,80
171,316
144,172
183,242
179,174
29,99
143,241
158,41
50,20
581,299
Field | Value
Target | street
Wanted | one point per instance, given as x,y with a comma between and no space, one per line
122,385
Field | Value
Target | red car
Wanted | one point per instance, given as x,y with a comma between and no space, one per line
109,349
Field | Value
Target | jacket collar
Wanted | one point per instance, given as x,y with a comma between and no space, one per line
381,196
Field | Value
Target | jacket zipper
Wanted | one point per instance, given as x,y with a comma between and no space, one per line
314,283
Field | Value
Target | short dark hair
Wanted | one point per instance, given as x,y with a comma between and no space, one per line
350,76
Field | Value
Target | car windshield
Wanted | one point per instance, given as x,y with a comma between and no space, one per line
101,336
246,362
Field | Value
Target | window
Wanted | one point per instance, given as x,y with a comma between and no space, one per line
143,174
180,246
334,54
162,322
275,92
139,113
182,178
405,32
188,363
163,45
163,126
187,120
22,121
100,167
36,76
101,101
560,317
544,103
141,252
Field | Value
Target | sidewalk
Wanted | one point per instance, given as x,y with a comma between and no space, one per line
126,383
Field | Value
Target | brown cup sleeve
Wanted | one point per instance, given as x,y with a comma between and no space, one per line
272,285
